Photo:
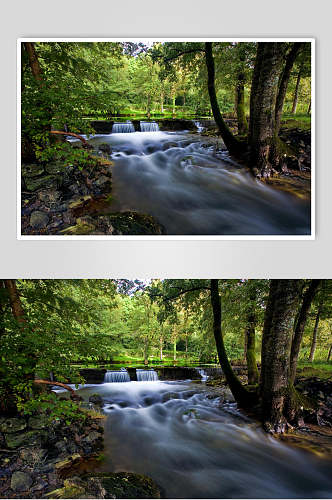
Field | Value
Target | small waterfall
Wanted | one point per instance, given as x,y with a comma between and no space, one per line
117,376
203,374
149,127
199,126
123,128
146,375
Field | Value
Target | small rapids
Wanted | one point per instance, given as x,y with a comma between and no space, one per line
193,188
179,434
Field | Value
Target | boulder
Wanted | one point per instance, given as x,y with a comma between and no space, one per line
44,182
96,399
38,422
26,439
127,485
32,170
20,481
38,219
10,425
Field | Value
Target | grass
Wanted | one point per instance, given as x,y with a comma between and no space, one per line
301,121
318,369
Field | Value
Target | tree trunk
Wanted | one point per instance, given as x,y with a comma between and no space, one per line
309,108
146,349
300,324
173,105
276,343
33,61
148,107
242,124
253,375
232,144
314,335
262,131
60,384
296,92
162,97
242,396
284,79
71,134
329,354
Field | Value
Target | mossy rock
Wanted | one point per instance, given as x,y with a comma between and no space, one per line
79,229
26,439
11,425
133,223
32,170
127,485
45,182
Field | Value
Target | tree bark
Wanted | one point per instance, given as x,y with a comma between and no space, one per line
300,324
314,335
71,134
283,83
329,354
242,396
253,375
33,61
296,92
60,384
242,123
231,143
262,131
15,301
276,343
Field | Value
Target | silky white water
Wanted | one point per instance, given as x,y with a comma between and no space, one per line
193,187
178,434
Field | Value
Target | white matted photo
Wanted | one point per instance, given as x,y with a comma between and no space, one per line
182,138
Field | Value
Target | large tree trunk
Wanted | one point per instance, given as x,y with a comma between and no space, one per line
276,343
33,61
314,335
262,132
253,375
242,396
283,83
300,324
242,124
231,143
296,92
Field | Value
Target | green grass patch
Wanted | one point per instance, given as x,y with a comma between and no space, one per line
301,121
318,369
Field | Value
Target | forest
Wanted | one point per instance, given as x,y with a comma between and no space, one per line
210,372
162,138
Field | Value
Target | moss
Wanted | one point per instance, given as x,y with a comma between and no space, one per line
128,485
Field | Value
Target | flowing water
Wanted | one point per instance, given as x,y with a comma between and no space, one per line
193,187
177,433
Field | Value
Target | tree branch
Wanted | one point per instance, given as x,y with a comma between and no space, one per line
71,134
60,384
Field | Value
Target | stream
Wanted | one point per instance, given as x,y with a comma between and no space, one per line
192,187
178,434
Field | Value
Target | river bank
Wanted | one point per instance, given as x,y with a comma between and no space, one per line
154,183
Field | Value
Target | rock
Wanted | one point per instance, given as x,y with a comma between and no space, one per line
20,481
68,461
105,148
127,485
32,170
26,439
76,202
10,425
33,456
55,167
38,422
92,437
49,197
38,219
79,229
96,399
103,181
45,182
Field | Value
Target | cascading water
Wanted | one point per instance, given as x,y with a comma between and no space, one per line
146,375
199,126
117,376
195,446
203,374
193,187
123,128
149,127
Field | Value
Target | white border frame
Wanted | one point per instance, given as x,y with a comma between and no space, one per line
171,237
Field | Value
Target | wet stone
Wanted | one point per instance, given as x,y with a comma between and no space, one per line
38,219
20,481
12,425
